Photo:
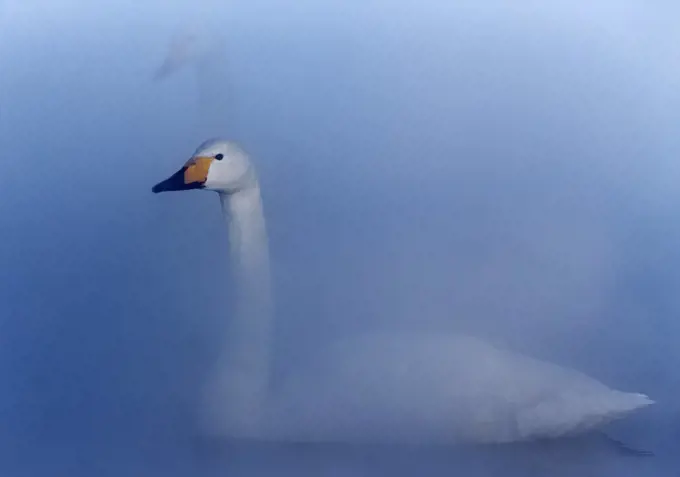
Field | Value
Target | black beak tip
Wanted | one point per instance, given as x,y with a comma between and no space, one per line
175,183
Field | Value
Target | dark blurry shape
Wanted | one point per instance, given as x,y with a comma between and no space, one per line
625,449
382,387
184,48
200,47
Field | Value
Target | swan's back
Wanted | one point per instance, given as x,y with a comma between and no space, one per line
429,387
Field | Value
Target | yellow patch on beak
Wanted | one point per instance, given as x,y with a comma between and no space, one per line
197,170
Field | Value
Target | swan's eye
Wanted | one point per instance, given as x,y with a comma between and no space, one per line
219,157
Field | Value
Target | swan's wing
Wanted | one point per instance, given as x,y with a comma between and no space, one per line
445,387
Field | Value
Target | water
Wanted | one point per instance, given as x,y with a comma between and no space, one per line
502,172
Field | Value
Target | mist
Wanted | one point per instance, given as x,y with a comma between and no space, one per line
502,170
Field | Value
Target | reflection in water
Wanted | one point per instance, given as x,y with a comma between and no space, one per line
566,457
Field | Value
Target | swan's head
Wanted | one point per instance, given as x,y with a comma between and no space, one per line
216,165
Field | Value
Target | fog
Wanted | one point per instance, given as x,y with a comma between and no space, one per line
506,170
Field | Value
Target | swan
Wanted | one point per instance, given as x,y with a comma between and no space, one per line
378,387
381,387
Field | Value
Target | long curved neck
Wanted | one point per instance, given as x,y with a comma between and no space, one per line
248,246
236,406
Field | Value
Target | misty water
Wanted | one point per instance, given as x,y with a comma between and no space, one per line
507,171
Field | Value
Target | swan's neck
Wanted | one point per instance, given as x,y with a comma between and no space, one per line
248,244
242,376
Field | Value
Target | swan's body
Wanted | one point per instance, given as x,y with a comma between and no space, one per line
441,388
379,387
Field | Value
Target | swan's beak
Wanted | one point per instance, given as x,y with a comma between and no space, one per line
192,176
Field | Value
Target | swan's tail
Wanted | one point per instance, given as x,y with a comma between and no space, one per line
570,415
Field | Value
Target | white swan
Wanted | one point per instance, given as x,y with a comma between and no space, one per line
380,387
377,387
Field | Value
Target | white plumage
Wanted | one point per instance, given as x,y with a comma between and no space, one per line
378,387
